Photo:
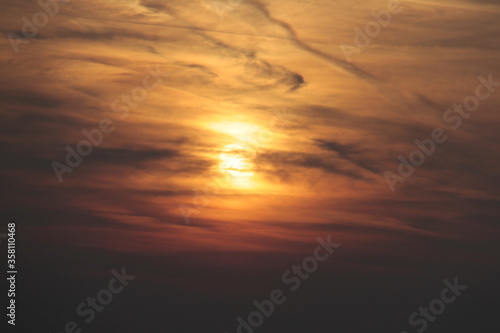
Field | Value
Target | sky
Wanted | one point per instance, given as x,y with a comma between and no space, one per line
208,146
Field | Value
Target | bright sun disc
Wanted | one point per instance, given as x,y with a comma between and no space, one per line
235,161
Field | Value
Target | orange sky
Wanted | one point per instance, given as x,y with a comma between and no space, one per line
260,110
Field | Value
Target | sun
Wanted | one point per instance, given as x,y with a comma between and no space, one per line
235,160
240,131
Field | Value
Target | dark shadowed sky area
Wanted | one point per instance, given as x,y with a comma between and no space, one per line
207,147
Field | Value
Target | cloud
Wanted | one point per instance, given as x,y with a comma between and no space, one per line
284,163
347,152
266,75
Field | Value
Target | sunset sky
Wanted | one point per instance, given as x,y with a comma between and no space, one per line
228,136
